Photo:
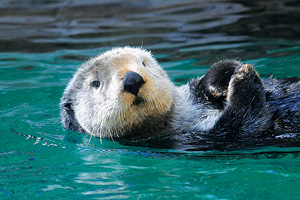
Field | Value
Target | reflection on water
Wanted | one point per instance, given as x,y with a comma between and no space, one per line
42,43
218,29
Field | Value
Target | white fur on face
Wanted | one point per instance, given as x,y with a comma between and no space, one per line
108,111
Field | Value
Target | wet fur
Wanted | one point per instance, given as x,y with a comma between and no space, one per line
230,103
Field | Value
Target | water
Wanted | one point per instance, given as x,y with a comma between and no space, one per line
42,43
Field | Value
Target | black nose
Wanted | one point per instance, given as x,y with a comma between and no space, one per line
133,82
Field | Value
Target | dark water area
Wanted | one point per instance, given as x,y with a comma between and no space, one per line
43,42
242,29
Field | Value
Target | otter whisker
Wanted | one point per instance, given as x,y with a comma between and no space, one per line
159,102
92,134
100,138
142,42
153,101
90,139
101,127
165,105
109,122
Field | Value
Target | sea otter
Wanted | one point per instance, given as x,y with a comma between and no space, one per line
124,94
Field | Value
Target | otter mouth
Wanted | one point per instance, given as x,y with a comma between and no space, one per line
138,100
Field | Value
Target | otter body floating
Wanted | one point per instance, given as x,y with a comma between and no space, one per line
125,95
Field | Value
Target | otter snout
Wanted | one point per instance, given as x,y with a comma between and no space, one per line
133,82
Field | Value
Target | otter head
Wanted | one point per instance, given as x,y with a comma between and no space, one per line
116,92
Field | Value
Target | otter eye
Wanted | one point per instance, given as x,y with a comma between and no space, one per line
144,63
96,84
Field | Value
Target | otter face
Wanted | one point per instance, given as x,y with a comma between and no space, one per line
116,91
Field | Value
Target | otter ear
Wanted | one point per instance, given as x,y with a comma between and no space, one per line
67,113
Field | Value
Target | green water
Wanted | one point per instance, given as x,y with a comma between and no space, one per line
41,46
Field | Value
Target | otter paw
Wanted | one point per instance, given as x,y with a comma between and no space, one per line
245,70
218,77
245,86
